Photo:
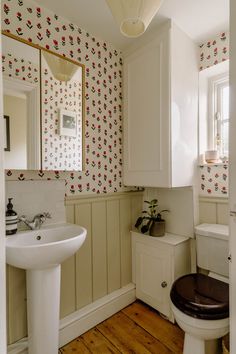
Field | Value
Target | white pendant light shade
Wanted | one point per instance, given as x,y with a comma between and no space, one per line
62,69
133,16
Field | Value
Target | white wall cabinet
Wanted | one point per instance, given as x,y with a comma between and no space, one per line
160,111
156,263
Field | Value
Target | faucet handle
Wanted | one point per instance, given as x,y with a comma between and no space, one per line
21,218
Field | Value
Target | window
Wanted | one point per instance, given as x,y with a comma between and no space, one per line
219,114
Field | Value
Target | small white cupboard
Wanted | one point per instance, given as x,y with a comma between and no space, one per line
160,110
156,263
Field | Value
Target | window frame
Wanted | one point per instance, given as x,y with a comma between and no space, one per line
216,85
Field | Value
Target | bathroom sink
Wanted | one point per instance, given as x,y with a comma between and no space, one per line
44,248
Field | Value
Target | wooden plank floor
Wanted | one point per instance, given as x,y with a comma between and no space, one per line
137,329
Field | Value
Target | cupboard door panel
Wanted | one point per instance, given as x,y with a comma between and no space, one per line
146,115
153,276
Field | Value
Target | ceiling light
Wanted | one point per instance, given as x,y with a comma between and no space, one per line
133,16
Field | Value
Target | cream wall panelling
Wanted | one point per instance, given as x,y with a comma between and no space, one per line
214,210
101,267
160,111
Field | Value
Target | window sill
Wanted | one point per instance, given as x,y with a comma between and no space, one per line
214,164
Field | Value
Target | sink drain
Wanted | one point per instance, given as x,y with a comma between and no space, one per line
38,238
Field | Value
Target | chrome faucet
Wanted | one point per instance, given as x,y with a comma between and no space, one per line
37,221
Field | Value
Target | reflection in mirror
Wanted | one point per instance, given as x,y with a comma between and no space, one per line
21,88
61,82
44,102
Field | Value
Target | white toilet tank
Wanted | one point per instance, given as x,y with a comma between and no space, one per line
213,248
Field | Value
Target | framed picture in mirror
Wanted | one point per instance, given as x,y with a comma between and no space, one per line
67,123
6,133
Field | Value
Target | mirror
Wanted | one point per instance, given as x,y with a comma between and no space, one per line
43,100
21,89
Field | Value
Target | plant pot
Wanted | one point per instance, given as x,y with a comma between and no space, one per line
225,344
157,229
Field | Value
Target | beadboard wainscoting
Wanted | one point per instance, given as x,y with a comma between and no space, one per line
98,275
214,210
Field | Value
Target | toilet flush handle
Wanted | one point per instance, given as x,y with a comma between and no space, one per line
164,284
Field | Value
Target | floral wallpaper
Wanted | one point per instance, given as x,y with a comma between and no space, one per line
61,152
214,51
214,180
103,88
18,68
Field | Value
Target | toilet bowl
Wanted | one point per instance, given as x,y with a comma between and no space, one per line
200,303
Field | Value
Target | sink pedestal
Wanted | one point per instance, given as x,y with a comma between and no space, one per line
43,306
41,252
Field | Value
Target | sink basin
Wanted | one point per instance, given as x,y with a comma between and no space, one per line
44,248
41,253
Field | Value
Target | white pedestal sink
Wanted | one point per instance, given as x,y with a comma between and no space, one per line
41,252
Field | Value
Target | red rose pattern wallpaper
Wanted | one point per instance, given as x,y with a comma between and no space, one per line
214,51
18,68
103,99
103,115
214,180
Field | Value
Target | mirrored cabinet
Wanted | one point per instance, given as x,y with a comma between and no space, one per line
43,106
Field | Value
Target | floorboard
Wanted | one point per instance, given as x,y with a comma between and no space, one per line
137,329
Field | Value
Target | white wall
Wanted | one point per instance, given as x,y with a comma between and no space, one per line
2,231
16,109
180,203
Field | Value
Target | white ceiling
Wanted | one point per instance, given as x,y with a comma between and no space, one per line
200,19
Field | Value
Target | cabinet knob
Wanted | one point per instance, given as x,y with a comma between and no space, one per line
164,284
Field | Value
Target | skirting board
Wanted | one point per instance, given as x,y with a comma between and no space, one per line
89,316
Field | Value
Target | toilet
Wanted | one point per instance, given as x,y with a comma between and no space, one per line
200,302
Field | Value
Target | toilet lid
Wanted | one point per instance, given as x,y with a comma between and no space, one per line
201,296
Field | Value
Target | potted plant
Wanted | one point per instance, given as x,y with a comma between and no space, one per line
152,221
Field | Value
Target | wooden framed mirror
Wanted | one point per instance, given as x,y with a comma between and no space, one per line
44,98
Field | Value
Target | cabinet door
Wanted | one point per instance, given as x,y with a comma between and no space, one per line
153,276
146,115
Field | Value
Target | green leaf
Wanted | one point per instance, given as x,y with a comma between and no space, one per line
144,229
139,222
154,201
164,210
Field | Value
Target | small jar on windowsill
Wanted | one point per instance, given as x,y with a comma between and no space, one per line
208,160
